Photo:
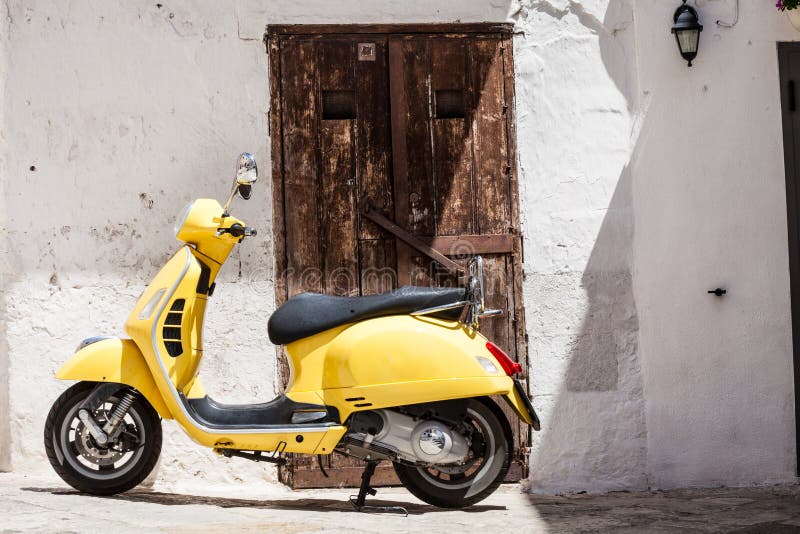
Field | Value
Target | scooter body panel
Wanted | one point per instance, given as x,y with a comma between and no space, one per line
175,376
379,363
393,361
115,360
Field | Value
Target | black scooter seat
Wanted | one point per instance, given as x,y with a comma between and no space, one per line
311,313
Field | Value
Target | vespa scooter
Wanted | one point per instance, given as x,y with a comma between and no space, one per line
403,377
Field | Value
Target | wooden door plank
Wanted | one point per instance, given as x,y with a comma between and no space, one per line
378,266
470,245
420,218
377,254
451,142
520,332
276,141
338,140
337,181
517,259
492,172
343,476
414,62
374,135
301,191
399,115
496,293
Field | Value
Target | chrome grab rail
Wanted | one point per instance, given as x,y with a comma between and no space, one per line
443,307
475,306
478,308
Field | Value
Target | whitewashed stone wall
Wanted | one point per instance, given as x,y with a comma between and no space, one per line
643,184
576,99
5,436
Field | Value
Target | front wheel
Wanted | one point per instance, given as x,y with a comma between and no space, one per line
102,470
457,486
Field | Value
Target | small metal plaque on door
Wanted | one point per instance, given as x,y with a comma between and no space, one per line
366,51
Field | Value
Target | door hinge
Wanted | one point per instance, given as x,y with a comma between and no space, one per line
522,454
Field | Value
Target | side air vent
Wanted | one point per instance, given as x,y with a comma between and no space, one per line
172,329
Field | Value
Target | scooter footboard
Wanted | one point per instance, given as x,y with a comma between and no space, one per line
119,361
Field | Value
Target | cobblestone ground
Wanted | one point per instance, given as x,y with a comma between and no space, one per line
45,505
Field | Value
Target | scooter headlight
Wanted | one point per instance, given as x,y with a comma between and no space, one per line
179,222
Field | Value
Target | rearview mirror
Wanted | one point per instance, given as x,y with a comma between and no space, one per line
246,169
246,175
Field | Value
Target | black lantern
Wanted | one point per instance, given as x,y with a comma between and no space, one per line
687,30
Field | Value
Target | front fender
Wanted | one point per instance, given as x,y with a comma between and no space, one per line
115,360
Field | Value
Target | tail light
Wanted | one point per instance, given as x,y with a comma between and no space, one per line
509,366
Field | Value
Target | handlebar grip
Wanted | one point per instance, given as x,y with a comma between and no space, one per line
237,230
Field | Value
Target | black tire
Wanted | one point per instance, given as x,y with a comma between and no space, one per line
76,470
459,490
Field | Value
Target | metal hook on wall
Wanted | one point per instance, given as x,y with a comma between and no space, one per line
735,18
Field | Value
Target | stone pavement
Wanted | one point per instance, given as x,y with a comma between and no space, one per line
43,505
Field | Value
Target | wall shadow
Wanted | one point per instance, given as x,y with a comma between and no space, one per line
594,433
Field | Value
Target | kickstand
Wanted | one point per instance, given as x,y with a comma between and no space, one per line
358,502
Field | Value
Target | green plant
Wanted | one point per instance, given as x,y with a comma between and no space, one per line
783,5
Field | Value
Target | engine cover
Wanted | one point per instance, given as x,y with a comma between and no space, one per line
427,442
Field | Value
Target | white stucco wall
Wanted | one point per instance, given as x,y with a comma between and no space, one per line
643,184
128,111
5,436
711,211
576,100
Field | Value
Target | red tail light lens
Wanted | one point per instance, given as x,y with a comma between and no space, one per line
509,366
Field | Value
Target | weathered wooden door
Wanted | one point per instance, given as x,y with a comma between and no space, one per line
417,120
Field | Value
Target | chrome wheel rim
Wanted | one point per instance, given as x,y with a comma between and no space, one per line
476,470
100,463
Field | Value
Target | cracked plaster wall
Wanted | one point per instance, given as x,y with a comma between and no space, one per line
127,112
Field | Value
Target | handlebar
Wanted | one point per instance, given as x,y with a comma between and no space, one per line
237,230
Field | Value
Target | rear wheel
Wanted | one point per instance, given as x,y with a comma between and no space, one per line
101,470
457,486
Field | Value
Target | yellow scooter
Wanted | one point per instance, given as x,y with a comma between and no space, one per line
404,377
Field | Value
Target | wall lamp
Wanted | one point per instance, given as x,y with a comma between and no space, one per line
687,28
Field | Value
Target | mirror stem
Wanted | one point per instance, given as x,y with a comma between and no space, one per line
225,212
